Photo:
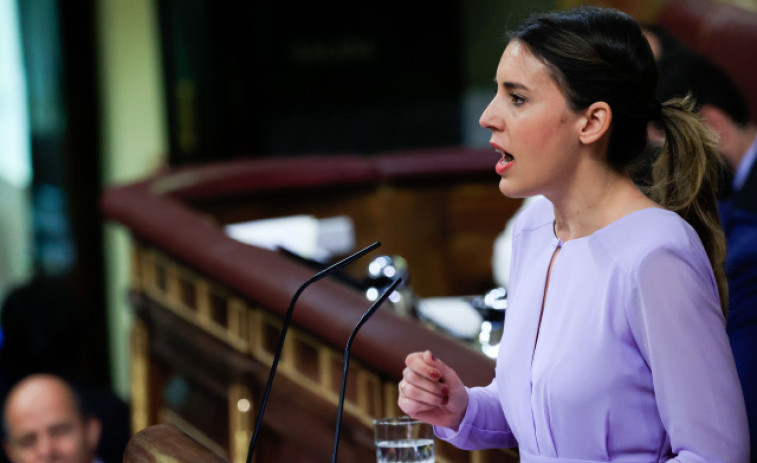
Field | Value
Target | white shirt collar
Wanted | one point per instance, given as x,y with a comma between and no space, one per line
742,171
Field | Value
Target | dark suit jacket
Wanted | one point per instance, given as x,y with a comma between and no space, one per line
746,198
740,229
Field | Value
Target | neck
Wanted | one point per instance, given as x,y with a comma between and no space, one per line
596,202
743,139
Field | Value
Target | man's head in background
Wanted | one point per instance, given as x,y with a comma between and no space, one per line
44,422
719,100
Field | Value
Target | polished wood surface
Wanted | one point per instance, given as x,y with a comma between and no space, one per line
163,443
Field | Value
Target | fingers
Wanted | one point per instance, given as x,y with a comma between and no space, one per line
424,364
421,380
416,402
413,408
423,390
431,391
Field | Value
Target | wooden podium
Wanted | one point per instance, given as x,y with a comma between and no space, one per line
209,308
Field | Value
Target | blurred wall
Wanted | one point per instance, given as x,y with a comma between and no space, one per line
15,162
485,24
646,10
135,133
134,142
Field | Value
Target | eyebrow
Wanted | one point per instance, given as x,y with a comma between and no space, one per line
514,86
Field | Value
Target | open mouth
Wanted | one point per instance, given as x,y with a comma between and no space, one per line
505,161
506,157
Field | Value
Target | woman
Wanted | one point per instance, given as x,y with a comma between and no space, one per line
614,348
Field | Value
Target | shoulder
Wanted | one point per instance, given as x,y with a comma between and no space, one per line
649,232
657,244
659,251
666,270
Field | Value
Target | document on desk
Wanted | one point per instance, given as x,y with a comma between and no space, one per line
304,235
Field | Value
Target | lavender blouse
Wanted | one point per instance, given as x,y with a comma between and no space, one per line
632,362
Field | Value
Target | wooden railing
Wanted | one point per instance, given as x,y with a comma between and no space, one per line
208,308
163,443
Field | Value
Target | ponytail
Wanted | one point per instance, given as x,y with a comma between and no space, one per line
685,179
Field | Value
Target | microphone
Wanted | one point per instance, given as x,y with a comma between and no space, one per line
347,348
285,326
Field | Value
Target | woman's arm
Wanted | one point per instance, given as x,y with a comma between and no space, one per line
676,319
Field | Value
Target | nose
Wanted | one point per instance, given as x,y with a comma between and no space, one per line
487,119
45,448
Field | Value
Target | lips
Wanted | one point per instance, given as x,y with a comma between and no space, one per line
505,162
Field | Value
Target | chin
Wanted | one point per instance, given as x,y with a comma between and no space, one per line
511,191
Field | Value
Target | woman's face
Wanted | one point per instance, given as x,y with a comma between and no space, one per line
532,127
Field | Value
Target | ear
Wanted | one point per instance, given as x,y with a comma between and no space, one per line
594,123
9,449
714,118
92,431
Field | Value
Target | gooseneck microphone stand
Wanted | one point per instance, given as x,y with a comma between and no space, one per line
347,348
285,326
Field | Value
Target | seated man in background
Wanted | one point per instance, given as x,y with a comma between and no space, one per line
43,326
722,106
43,421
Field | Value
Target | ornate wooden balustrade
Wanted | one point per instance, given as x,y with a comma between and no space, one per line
209,308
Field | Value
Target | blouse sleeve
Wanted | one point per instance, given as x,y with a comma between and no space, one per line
677,322
484,425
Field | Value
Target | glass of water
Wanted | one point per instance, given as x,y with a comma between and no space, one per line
403,440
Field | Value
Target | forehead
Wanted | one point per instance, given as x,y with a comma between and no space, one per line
518,64
39,407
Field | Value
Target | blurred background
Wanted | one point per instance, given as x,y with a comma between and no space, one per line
96,93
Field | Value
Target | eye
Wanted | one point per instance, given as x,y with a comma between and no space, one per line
516,99
27,441
61,430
